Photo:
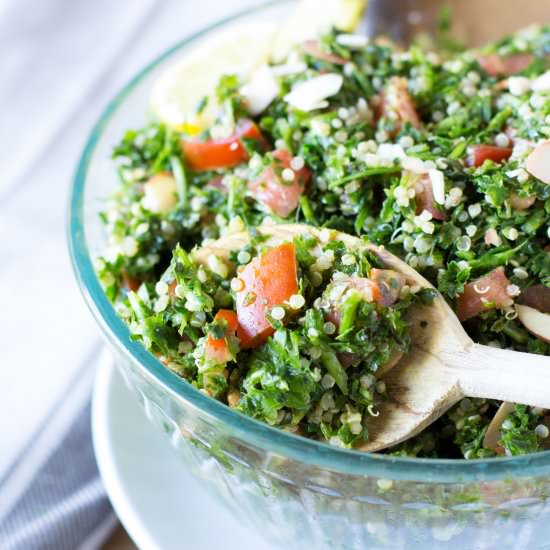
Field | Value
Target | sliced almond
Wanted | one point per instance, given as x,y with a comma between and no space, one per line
534,321
538,162
491,237
518,85
260,91
352,41
414,164
493,433
289,68
438,185
542,83
309,95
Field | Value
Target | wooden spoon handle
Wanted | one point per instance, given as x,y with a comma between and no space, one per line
493,373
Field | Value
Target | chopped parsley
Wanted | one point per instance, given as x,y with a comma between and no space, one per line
398,155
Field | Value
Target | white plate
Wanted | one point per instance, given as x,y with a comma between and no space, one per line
160,504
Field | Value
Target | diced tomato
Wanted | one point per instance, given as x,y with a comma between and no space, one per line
312,47
388,287
217,350
130,283
396,102
521,203
538,297
498,65
269,280
478,154
279,196
221,153
425,199
230,317
483,294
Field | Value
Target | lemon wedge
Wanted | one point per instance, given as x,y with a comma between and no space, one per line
311,18
181,87
240,50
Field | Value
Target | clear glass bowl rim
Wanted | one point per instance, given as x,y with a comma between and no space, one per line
249,430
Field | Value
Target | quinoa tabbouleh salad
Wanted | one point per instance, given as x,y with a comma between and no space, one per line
443,158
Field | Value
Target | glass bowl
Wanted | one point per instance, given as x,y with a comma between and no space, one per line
298,492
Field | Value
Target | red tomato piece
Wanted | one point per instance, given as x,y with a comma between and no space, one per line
221,153
396,102
312,47
487,292
498,65
269,280
388,286
478,154
425,199
217,350
279,196
130,283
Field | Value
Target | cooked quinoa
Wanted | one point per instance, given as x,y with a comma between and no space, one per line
440,157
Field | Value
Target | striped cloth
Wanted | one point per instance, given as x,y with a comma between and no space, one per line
61,62
64,507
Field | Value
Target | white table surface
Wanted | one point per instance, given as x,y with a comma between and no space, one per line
61,61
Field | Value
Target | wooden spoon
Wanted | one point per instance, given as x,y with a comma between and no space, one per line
444,364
